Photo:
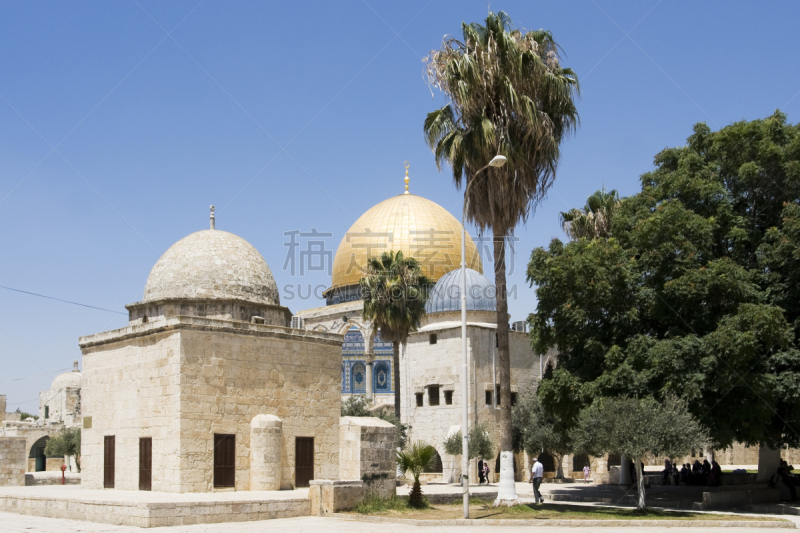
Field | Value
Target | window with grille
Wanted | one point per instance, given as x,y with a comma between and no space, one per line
448,397
419,399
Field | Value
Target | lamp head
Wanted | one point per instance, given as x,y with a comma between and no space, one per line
498,161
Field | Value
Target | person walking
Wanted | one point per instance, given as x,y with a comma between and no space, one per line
480,471
537,473
486,471
587,472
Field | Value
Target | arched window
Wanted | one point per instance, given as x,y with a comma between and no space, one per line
382,379
548,370
358,378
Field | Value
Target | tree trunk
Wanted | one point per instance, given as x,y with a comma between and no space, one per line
507,491
396,362
559,460
769,459
640,483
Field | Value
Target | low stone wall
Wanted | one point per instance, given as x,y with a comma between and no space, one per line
152,514
12,461
51,478
366,453
739,498
329,496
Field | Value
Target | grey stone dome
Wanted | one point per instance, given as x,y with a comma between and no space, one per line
71,380
446,294
212,265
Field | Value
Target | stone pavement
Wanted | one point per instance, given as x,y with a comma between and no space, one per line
14,523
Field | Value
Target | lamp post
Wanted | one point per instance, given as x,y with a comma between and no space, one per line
497,161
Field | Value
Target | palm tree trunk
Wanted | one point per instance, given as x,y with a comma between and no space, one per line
396,363
507,491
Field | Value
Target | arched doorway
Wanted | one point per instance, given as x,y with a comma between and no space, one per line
497,464
579,461
37,453
548,462
436,467
614,460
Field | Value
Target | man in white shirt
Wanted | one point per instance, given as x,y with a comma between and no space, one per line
537,473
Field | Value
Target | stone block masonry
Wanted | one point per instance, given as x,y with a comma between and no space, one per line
182,380
12,461
367,454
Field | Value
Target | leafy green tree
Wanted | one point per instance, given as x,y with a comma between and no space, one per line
395,291
693,293
480,442
23,415
415,459
636,427
510,96
66,442
358,405
536,430
594,220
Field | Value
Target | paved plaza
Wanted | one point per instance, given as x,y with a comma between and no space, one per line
17,523
14,523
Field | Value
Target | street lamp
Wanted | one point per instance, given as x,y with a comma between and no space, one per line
497,161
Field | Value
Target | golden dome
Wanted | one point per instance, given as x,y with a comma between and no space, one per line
418,227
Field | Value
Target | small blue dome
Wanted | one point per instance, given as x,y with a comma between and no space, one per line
446,294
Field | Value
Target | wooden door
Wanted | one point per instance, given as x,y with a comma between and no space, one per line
145,463
224,460
303,461
109,465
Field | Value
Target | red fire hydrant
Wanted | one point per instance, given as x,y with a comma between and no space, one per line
63,478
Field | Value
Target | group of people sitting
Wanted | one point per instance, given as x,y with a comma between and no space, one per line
698,474
786,481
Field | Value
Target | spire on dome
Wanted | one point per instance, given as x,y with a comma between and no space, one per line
406,180
212,217
75,366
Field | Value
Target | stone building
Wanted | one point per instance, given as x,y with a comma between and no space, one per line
59,408
62,401
431,396
430,364
208,380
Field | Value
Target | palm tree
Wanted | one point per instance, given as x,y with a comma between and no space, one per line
510,96
394,292
415,459
594,220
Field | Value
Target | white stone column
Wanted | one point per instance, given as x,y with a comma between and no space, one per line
369,359
266,441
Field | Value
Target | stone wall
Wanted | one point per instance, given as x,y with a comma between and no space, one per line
64,405
182,381
367,453
2,407
12,461
131,389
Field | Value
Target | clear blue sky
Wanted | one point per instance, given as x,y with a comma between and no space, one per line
293,115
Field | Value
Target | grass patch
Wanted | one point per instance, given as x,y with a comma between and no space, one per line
374,504
398,508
